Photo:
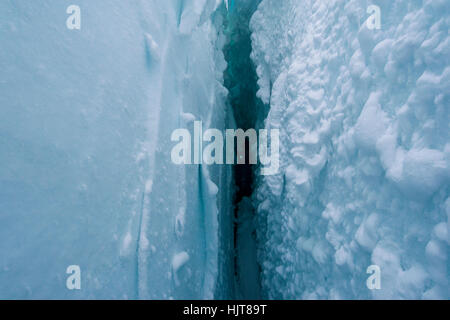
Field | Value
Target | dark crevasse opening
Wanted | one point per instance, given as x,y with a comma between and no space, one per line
241,81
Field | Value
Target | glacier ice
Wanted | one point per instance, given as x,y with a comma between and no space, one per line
85,121
86,118
364,120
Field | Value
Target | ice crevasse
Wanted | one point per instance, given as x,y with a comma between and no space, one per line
364,122
86,177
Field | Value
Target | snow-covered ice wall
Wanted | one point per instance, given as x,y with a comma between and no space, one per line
86,179
365,149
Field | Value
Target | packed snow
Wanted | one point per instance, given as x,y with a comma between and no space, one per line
364,120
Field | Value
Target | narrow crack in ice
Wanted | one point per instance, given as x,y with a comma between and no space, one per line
241,81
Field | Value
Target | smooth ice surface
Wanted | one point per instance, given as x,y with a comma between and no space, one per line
364,121
85,172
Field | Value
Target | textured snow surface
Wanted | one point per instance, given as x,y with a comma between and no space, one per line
86,176
85,171
364,120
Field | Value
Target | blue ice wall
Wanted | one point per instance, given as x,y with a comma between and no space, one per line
85,171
